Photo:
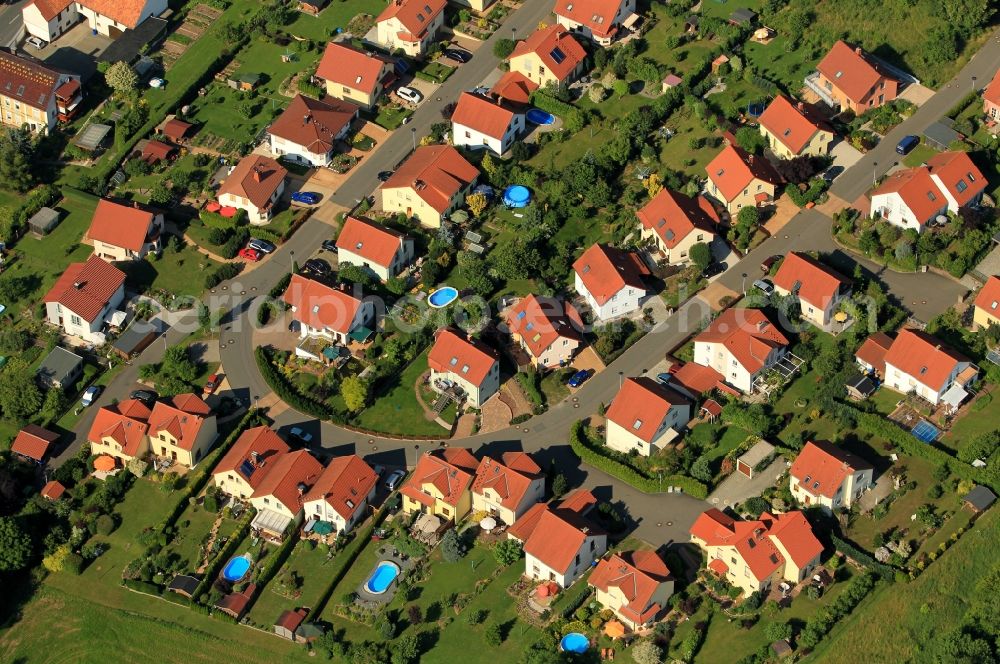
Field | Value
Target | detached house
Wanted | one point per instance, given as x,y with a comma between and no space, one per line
871,355
645,416
478,122
547,328
308,130
987,305
326,312
342,493
610,280
560,542
83,296
794,129
598,20
463,367
440,484
741,345
752,555
913,197
353,75
635,585
991,100
410,25
182,428
254,186
119,430
242,470
675,223
827,475
853,80
508,488
738,179
124,232
48,19
819,288
34,95
431,184
549,55
279,498
384,251
917,363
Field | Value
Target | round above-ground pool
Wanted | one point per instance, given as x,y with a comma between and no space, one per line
539,117
442,297
383,576
236,568
516,196
574,642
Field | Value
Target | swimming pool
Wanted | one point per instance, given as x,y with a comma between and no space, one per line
442,297
383,576
574,642
516,196
539,117
236,568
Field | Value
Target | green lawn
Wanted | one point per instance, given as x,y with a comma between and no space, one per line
174,273
919,155
391,116
194,526
313,566
397,409
976,419
338,14
438,71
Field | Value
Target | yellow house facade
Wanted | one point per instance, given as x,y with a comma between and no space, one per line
987,305
817,146
440,485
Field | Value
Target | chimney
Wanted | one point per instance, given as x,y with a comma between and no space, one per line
306,118
302,488
78,285
801,106
857,49
255,457
256,175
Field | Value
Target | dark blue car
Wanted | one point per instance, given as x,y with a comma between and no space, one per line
305,197
577,379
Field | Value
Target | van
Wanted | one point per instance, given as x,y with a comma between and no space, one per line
907,144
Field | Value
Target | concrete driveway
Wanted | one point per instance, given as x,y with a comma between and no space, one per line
845,155
737,488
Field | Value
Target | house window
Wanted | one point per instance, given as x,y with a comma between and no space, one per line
75,320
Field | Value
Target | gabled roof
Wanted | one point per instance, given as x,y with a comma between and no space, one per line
344,484
598,15
917,190
821,467
539,321
125,422
313,124
515,87
120,225
638,575
851,70
792,124
958,175
176,129
33,442
256,177
815,283
291,620
992,91
181,416
699,379
555,47
86,288
640,406
27,80
320,306
988,298
558,537
289,479
372,241
126,12
449,471
733,169
53,490
747,334
606,270
436,173
466,357
483,115
673,216
510,483
921,356
873,350
253,455
579,502
347,66
155,151
414,15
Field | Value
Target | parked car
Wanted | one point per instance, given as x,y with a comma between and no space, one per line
329,245
768,263
409,94
90,395
37,42
248,254
383,176
764,286
714,269
832,173
298,434
906,145
577,379
306,197
263,246
145,396
317,266
394,478
212,384
457,54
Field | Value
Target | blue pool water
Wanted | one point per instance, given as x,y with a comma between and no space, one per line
574,642
516,196
236,569
383,576
442,297
539,117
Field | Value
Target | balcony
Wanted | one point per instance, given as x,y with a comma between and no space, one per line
812,82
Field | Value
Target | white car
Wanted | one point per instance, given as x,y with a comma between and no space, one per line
409,94
90,395
37,42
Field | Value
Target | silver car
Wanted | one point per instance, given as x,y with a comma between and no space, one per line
764,286
409,94
394,479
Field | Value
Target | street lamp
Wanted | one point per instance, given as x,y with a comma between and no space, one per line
621,378
874,177
413,135
416,455
744,287
291,255
973,83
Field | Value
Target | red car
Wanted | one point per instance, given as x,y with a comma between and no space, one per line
252,255
212,384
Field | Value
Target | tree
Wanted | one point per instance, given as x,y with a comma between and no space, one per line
54,561
597,93
15,545
17,154
653,184
121,78
385,627
20,397
778,631
406,649
701,469
967,17
355,392
748,217
750,140
452,548
493,635
508,552
176,373
701,255
477,203
620,87
503,48
160,194
647,652
559,485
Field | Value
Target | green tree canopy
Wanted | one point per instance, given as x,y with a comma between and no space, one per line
15,545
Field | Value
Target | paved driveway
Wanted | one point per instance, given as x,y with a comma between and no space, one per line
737,488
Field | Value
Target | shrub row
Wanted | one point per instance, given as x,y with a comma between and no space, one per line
216,220
551,104
862,558
287,392
571,608
279,288
821,623
596,458
347,557
234,541
222,273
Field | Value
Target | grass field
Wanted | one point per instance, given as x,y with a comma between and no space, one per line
397,409
336,15
313,566
978,418
172,272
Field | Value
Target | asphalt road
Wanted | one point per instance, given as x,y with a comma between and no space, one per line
10,22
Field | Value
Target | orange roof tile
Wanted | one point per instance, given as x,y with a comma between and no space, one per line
921,356
598,15
917,190
313,124
747,334
637,574
815,283
641,405
733,169
319,306
793,125
344,484
482,115
526,525
466,357
290,479
719,566
988,298
175,129
253,455
821,467
606,270
515,87
851,71
125,422
256,178
33,442
958,175
415,15
372,241
86,288
992,91
540,321
558,537
450,474
555,46
182,416
674,216
873,351
794,533
436,173
508,483
698,379
53,490
352,68
521,462
155,151
120,225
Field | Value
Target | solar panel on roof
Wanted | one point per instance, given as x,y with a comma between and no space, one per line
246,468
558,55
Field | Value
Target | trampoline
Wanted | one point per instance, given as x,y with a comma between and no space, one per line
925,432
539,117
755,109
516,196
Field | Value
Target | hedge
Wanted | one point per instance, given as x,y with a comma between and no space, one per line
235,539
881,569
216,220
551,104
627,474
222,273
143,587
571,608
279,288
347,557
287,393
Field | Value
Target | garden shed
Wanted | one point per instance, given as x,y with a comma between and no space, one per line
43,221
759,454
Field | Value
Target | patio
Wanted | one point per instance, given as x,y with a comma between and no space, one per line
429,528
371,600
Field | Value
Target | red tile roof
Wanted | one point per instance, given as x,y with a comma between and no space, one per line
469,358
175,129
53,490
540,321
558,537
674,216
261,440
816,283
873,351
414,15
86,288
509,483
719,566
521,462
155,151
598,15
917,190
958,175
988,298
125,226
733,169
436,173
921,356
638,575
182,416
794,533
235,604
526,525
349,67
747,334
450,472
606,270
125,422
27,80
640,406
319,306
344,484
698,379
482,115
33,442
852,72
792,124
547,43
313,124
515,87
290,479
372,241
579,502
992,91
256,177
821,467
291,620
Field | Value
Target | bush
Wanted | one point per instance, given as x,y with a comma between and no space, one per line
551,105
493,635
105,524
73,564
222,273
